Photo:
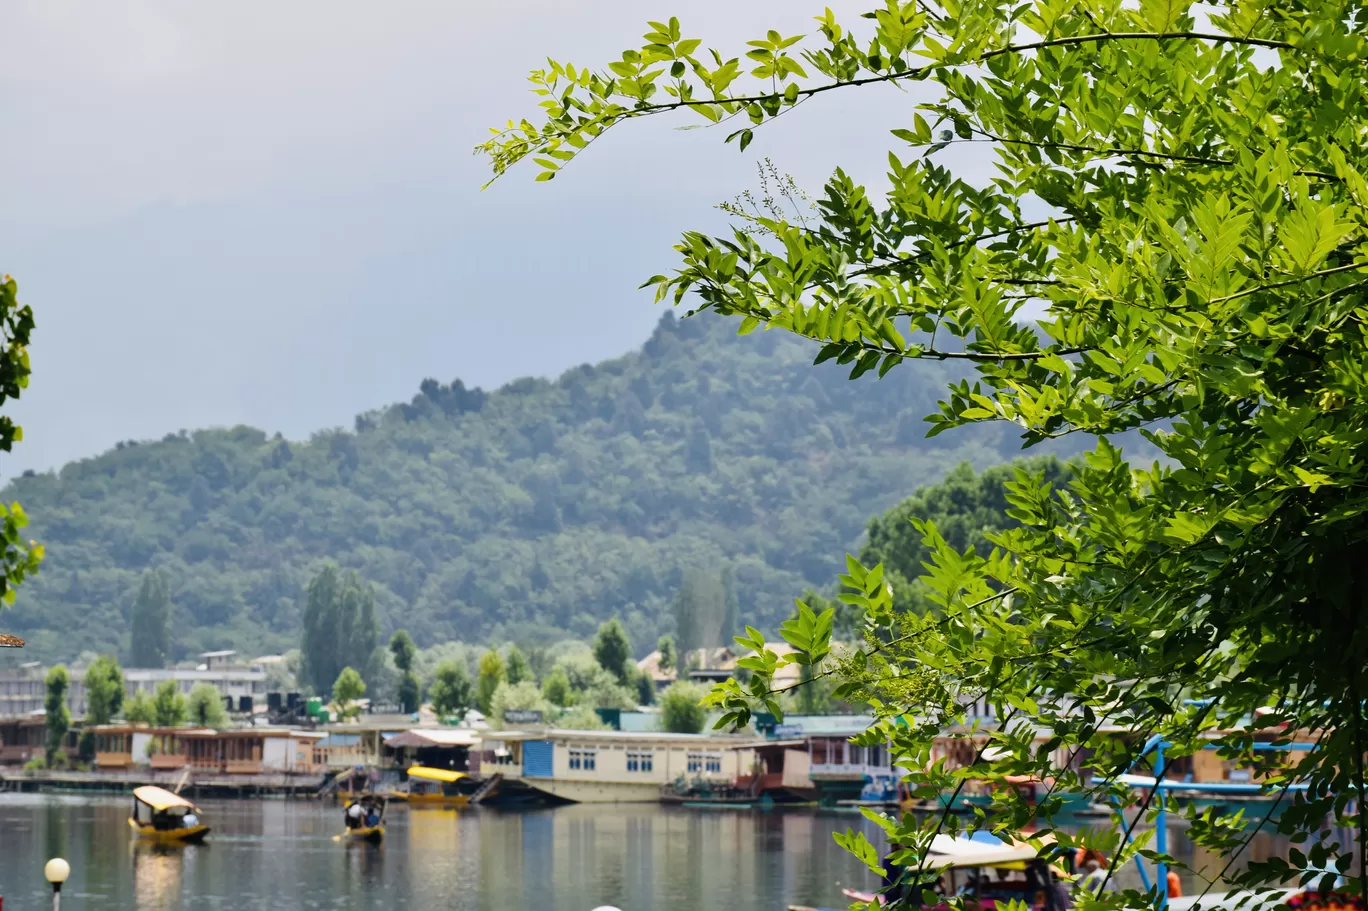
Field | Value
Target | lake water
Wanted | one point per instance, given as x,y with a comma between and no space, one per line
281,854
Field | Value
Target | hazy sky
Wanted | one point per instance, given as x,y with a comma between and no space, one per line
268,213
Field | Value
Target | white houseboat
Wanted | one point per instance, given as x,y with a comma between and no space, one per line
612,766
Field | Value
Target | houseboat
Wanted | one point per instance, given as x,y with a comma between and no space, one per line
240,751
610,766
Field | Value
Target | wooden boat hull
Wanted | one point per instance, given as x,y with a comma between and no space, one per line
187,836
372,834
436,800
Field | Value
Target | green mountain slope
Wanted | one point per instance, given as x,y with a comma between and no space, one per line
530,512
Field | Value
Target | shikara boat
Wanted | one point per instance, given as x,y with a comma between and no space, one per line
364,833
372,834
982,872
167,818
438,787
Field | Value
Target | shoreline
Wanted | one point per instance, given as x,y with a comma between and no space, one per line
260,786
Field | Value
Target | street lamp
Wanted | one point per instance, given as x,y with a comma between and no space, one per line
56,871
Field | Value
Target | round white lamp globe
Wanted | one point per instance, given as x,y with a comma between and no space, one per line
56,871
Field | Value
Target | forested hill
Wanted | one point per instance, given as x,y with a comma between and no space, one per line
528,513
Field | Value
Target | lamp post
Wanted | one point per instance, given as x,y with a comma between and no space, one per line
56,871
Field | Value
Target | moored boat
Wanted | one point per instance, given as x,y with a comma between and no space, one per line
167,818
438,787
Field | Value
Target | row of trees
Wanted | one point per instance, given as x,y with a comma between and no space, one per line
570,685
105,702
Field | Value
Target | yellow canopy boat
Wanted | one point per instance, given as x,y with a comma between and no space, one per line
438,787
164,817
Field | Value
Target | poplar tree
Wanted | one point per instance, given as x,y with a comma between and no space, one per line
150,628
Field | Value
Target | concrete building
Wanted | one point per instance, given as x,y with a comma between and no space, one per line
22,689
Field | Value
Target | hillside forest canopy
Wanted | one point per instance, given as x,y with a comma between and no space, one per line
1180,191
530,513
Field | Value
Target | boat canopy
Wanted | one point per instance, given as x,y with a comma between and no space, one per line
161,799
947,852
446,775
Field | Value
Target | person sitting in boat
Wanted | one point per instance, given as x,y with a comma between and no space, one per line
189,820
354,813
1094,878
372,817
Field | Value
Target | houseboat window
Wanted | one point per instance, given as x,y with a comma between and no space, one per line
857,754
584,759
640,761
705,762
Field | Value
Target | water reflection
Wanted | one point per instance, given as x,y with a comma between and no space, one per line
274,854
157,874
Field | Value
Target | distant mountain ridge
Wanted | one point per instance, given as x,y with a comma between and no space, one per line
530,512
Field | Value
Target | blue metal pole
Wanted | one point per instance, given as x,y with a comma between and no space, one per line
1161,830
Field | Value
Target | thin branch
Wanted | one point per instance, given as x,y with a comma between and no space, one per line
1120,152
1291,281
895,264
644,109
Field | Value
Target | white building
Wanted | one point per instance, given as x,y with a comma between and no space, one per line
23,689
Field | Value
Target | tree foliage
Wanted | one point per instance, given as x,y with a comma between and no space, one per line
522,695
451,692
150,627
665,645
1180,193
57,720
681,709
491,674
339,627
581,718
556,688
404,651
104,686
517,668
204,706
613,650
140,709
699,609
436,514
967,509
347,689
19,558
410,691
168,705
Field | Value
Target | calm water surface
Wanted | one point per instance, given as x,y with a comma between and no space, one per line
279,854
